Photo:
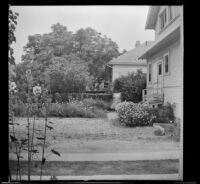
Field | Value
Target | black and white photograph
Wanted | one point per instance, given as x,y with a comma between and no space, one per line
95,92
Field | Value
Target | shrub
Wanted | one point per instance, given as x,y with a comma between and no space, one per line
75,109
58,98
164,114
131,114
131,86
176,132
87,109
19,109
96,103
54,110
158,132
80,96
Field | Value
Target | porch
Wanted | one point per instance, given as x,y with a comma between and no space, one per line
153,96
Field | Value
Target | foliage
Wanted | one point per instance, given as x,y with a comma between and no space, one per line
101,96
132,114
12,22
176,132
97,103
86,49
158,132
88,108
67,62
67,77
96,50
37,101
75,109
19,109
163,114
131,86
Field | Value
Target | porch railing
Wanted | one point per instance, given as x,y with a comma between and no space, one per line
153,95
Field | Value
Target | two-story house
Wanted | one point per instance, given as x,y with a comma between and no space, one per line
165,57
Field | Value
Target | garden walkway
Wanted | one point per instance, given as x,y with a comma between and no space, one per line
109,156
110,177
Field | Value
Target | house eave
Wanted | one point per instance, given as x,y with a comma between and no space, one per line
129,63
162,42
151,17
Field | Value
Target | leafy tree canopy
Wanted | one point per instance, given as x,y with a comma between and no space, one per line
12,22
86,44
65,61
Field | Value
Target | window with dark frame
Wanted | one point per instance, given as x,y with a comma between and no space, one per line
159,69
163,19
149,72
170,13
166,62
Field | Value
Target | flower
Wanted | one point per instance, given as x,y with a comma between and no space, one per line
28,72
12,86
37,90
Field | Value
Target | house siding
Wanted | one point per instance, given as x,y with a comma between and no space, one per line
173,23
119,70
172,82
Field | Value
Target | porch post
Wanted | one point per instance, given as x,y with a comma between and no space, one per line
181,105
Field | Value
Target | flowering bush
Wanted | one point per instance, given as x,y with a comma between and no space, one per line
37,90
132,114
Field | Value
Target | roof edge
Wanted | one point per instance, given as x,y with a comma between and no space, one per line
151,17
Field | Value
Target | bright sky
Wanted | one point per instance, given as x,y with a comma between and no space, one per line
123,24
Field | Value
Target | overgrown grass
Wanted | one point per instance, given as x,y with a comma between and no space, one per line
98,103
87,108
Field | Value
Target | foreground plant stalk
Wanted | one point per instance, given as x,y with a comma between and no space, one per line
44,142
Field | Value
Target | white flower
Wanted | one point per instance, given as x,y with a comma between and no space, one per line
37,90
28,72
12,86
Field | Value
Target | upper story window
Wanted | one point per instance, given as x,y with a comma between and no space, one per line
163,19
166,63
167,15
173,11
170,13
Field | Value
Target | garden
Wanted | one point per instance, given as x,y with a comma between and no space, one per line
47,126
59,107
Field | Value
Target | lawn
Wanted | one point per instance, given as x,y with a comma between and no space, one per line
102,168
97,135
83,135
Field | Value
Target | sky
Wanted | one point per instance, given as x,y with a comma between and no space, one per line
123,24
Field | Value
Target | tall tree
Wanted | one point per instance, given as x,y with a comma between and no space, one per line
12,22
61,54
96,50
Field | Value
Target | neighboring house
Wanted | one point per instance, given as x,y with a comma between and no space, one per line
165,57
129,62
